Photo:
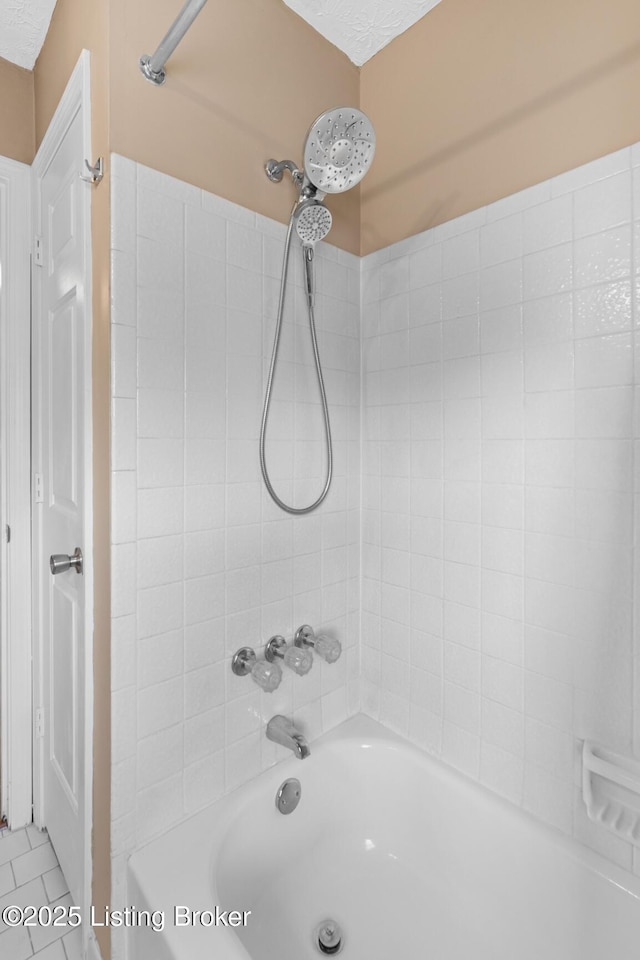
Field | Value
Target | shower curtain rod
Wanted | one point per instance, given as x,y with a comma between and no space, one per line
152,67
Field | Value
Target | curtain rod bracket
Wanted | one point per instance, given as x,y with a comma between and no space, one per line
152,67
155,76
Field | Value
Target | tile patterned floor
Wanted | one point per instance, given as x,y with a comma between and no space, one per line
30,876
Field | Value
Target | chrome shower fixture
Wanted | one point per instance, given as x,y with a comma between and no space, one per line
300,661
313,221
267,675
275,170
339,149
326,647
338,152
281,730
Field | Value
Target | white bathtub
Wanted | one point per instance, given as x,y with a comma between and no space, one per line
413,860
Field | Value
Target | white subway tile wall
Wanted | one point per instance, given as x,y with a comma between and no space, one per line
499,453
476,553
202,560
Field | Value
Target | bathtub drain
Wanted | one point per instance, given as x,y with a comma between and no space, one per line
329,937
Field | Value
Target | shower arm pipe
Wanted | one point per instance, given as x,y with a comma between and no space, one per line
275,169
152,67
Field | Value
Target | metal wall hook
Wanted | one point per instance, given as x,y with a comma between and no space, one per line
95,173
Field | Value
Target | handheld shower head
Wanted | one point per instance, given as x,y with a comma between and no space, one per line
338,152
313,221
339,149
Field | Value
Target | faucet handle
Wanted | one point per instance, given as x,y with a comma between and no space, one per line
267,675
327,648
298,660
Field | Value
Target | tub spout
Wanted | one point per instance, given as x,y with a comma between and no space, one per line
282,731
301,748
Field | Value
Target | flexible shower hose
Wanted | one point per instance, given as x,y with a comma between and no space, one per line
268,391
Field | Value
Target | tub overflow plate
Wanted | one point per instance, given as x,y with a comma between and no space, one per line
288,795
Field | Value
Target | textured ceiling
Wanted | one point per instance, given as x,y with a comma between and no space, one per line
23,27
361,27
357,27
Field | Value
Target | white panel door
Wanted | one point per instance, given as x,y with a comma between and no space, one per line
16,710
60,332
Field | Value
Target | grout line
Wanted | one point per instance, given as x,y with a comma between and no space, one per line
442,495
361,395
136,655
574,491
480,525
185,340
523,533
635,466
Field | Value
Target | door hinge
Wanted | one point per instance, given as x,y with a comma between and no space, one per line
38,258
37,488
39,723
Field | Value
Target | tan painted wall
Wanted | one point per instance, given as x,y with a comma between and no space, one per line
245,85
481,99
77,24
17,117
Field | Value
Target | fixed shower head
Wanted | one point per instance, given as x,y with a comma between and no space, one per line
313,221
339,149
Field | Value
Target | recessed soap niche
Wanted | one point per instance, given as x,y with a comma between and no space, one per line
611,791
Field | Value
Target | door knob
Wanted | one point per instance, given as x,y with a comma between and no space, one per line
60,562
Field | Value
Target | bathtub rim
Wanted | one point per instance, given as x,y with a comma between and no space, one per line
362,732
367,732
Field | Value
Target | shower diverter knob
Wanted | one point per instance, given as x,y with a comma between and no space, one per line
300,661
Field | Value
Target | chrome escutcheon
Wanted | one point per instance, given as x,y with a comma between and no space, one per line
288,795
